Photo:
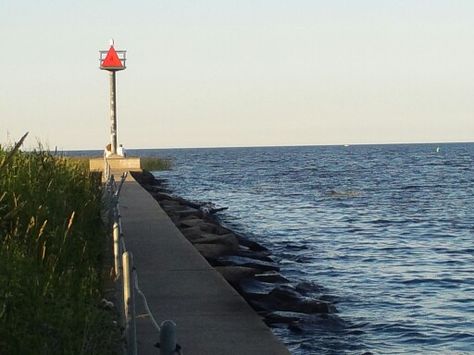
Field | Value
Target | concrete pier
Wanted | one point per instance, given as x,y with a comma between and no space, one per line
211,317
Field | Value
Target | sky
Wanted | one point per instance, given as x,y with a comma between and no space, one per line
214,73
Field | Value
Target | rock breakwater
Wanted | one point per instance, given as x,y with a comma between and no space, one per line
248,266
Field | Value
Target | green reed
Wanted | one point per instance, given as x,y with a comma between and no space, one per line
51,249
155,164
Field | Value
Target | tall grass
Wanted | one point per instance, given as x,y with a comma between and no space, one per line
51,248
155,164
80,161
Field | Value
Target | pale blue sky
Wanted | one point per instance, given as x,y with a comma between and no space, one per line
239,73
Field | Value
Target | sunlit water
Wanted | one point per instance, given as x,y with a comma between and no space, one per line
384,232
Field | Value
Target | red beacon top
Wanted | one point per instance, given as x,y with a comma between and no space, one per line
112,60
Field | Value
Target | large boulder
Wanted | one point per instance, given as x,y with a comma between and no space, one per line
192,234
282,317
169,204
228,239
235,274
189,222
254,287
186,212
285,293
144,177
213,251
248,262
309,288
286,298
259,255
310,306
250,244
271,277
209,227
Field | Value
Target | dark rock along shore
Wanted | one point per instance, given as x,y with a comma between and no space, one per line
245,264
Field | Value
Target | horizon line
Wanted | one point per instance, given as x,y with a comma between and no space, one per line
283,146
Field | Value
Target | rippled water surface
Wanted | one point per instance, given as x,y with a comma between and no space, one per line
384,232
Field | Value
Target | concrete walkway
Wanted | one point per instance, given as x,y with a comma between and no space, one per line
211,317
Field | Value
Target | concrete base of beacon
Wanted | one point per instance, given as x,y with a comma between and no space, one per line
117,164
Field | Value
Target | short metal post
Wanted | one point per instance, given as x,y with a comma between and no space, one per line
168,338
116,234
112,182
111,201
129,302
106,173
108,168
116,209
122,180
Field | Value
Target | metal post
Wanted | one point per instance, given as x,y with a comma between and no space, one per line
116,233
112,202
111,209
129,303
168,338
106,173
107,167
113,112
116,209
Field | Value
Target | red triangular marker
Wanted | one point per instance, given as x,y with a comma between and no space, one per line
112,60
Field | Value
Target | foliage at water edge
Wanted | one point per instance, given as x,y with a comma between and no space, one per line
155,163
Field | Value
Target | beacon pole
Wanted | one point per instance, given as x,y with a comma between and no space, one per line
113,61
113,112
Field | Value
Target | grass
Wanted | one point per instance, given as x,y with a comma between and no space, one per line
51,250
155,164
80,161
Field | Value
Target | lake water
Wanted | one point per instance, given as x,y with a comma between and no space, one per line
383,231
